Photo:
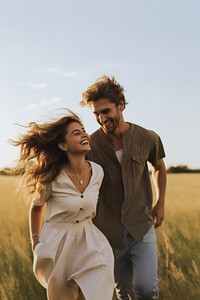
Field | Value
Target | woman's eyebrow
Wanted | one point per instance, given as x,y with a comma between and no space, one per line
75,130
83,129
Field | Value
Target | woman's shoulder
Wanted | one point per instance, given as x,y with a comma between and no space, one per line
96,168
95,165
97,172
40,197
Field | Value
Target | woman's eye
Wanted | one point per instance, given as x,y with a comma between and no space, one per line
79,132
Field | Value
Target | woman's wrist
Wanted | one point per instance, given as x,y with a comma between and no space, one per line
35,234
34,238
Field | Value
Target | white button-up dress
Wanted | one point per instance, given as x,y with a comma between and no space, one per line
70,246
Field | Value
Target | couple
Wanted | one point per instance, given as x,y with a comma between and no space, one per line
73,244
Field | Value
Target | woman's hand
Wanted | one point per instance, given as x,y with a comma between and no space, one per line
34,241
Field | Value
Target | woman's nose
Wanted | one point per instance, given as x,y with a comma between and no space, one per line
85,134
102,118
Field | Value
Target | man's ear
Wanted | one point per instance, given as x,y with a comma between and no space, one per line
121,106
63,147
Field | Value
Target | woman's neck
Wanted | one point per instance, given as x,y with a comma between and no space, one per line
76,165
79,172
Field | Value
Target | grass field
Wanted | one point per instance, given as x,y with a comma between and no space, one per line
178,243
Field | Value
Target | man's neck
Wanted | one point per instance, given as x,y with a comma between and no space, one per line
117,136
120,129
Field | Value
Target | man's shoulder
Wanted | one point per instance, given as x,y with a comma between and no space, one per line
95,133
97,137
138,129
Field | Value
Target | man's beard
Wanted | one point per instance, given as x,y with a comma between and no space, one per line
110,125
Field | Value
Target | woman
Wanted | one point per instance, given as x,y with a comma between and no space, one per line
68,247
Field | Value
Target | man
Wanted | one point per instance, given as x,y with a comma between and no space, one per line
125,214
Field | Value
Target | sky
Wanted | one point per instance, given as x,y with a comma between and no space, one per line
51,51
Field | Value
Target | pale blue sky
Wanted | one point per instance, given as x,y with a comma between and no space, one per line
52,50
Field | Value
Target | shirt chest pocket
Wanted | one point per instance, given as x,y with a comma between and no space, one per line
138,164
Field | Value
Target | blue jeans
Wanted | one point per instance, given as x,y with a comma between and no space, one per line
136,268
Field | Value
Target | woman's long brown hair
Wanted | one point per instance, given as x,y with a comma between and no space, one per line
40,157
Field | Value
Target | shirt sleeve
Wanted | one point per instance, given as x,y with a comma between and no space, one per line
40,198
157,150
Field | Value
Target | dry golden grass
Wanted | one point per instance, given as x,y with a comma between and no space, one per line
178,242
17,281
178,239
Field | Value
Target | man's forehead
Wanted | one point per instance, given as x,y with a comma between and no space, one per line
101,105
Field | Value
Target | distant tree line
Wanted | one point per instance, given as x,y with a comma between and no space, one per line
172,169
9,171
182,169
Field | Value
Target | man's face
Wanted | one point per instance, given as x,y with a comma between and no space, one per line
107,114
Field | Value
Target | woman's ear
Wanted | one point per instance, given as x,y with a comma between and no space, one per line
63,147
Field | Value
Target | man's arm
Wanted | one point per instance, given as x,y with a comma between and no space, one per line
159,179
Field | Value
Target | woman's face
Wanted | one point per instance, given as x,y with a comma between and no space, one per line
76,139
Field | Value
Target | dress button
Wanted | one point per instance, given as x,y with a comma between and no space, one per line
82,196
77,221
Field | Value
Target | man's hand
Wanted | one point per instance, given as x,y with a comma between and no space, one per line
158,214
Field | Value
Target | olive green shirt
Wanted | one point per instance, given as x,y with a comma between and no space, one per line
125,199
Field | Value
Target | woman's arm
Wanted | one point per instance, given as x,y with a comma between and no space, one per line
35,222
